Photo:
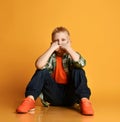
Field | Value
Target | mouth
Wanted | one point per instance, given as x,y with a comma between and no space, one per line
60,51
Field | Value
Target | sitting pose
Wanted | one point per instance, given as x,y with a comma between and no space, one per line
59,77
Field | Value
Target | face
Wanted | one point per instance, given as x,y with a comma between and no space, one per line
61,38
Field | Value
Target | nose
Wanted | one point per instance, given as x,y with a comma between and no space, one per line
59,42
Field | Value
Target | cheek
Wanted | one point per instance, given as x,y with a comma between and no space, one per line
64,42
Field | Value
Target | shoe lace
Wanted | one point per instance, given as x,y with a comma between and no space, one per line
26,102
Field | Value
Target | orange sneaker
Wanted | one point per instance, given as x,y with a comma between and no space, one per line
26,105
86,107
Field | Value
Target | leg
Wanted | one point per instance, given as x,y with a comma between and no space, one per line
33,90
43,82
81,91
35,86
80,83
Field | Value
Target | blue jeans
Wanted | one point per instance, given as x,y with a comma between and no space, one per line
59,94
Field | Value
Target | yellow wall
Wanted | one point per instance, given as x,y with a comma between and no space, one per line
25,29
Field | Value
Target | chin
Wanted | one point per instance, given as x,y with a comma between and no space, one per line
60,52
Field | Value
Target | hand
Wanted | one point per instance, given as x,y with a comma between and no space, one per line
66,46
54,45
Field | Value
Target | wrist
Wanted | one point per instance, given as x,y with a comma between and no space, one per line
69,49
51,49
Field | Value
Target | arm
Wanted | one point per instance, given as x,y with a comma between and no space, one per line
42,60
78,60
75,56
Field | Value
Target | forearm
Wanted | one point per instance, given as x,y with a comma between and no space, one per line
74,55
42,60
78,60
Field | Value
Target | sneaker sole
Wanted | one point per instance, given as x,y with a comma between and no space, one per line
31,110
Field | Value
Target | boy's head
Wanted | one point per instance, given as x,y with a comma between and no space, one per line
62,36
58,30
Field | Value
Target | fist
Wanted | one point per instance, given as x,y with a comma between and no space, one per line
55,45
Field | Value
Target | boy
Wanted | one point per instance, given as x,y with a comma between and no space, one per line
59,77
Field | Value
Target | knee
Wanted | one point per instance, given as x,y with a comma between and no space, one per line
80,71
43,72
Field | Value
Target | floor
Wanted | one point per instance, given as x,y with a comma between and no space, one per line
107,111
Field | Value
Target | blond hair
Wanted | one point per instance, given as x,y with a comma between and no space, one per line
57,30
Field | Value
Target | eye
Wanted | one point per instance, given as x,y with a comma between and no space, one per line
55,40
63,39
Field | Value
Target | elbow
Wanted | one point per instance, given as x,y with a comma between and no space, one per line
38,66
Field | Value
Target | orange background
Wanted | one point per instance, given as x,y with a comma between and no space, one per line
25,30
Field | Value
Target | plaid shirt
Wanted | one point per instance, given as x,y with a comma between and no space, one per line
67,62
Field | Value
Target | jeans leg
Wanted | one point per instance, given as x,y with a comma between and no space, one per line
36,83
78,83
43,82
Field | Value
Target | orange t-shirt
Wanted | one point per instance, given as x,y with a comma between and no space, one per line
59,74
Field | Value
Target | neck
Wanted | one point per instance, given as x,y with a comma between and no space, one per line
60,54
